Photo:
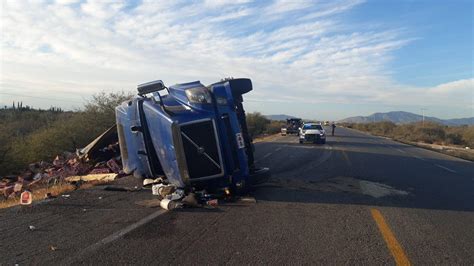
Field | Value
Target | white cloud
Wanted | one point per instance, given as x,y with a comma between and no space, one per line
282,6
220,3
311,57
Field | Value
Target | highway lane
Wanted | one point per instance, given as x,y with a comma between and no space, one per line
324,204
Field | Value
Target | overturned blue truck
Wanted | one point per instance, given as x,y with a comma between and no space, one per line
194,136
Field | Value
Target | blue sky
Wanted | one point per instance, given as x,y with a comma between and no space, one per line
314,59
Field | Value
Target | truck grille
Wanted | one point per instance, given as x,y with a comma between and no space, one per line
311,137
201,150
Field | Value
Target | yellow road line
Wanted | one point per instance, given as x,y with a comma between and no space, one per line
392,243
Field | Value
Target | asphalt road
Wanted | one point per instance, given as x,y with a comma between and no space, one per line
358,199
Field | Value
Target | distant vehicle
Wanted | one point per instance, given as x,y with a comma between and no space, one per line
326,123
283,131
312,132
292,126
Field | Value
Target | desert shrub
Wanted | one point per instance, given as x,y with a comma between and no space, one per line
39,135
430,133
274,127
454,138
468,136
256,123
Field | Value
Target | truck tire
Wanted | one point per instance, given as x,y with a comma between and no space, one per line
301,142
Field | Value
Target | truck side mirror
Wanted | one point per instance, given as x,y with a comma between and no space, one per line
150,87
240,86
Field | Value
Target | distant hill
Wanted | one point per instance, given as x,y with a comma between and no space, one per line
400,117
279,117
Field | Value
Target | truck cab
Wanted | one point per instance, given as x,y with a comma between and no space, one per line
190,134
292,126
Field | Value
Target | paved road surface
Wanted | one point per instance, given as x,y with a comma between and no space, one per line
358,199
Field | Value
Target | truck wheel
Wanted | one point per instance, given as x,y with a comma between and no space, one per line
323,141
301,142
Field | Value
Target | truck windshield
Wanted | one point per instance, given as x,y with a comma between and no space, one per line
312,127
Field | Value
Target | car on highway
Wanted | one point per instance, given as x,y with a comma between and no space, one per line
312,132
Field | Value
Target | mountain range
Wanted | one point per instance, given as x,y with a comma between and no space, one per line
400,117
279,117
397,117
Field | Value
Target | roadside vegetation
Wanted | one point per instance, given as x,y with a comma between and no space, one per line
258,125
30,135
426,135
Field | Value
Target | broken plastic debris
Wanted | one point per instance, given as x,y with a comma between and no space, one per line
65,195
26,198
162,190
212,203
176,195
170,205
32,227
53,248
149,182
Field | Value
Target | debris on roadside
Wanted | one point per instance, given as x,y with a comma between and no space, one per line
92,177
26,198
100,160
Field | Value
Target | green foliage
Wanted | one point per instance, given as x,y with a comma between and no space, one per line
257,124
32,135
428,132
260,125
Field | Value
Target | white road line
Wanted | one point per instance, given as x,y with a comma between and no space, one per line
446,168
277,149
92,248
401,150
419,158
266,155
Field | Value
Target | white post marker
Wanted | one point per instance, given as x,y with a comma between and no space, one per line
26,198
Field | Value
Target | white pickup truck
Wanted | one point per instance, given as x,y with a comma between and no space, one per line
312,132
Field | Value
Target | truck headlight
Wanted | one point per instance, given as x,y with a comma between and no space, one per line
199,95
221,100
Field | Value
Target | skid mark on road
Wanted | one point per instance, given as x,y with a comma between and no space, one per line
446,168
346,158
392,243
